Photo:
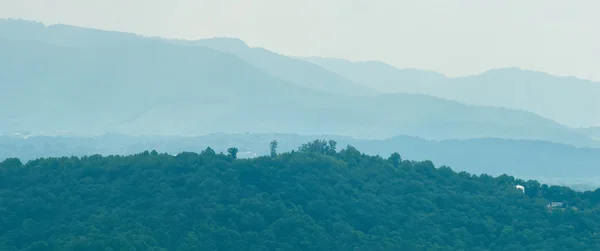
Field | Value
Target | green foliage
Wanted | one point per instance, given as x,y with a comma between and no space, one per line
273,146
395,159
319,146
233,152
11,162
312,199
208,151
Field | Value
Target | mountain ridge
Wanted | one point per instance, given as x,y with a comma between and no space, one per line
551,96
149,86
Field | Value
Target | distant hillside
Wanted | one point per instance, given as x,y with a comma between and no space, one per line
83,89
383,77
136,85
318,198
563,164
593,132
292,70
567,100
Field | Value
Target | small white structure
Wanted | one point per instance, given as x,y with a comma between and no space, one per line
555,204
519,187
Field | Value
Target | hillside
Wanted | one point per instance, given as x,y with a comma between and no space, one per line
568,100
593,132
292,70
383,77
553,97
311,199
94,89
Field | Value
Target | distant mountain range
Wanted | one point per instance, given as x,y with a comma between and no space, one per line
567,100
84,81
295,71
593,132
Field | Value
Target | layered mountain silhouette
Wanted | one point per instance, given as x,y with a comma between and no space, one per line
84,81
567,100
295,71
593,132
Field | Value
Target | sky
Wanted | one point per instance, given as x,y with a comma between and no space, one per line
454,37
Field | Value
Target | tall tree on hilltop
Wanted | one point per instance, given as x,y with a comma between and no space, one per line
273,146
319,146
233,151
395,158
208,151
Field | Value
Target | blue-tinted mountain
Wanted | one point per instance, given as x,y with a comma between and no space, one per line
593,132
567,100
136,85
293,70
383,77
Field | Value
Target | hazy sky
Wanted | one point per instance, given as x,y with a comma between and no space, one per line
455,37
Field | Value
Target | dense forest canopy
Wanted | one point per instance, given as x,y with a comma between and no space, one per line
538,160
315,198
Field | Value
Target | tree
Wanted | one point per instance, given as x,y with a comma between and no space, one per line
395,158
11,162
332,145
232,152
350,155
208,151
319,146
274,146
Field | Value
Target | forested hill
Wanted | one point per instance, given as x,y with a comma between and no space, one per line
315,198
